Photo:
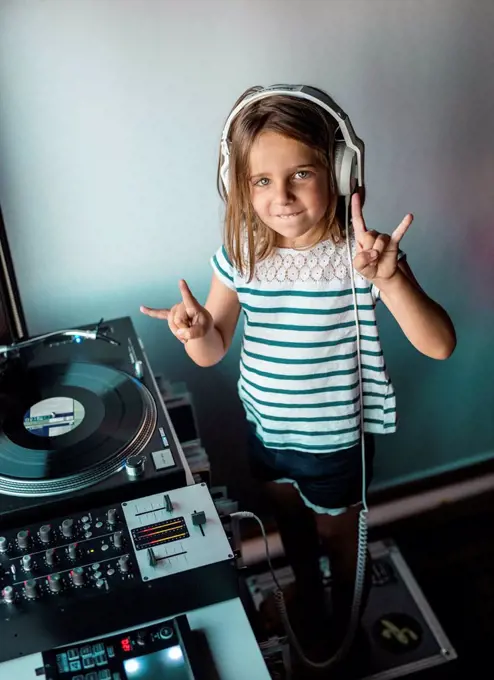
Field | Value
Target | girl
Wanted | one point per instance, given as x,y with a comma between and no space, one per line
286,265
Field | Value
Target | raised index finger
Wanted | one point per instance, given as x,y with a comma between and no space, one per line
189,300
357,217
401,229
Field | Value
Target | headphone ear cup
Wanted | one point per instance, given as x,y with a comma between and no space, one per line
345,169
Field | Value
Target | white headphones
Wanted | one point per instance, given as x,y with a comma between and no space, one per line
348,153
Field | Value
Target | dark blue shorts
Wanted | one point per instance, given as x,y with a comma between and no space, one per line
330,481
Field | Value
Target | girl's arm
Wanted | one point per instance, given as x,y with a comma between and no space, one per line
223,307
424,322
207,331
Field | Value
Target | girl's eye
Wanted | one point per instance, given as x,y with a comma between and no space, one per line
302,174
263,182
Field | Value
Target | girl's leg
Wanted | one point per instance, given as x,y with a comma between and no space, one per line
298,531
339,536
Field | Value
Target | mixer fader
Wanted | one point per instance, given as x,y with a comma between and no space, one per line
175,532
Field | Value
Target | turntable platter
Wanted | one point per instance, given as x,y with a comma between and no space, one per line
68,426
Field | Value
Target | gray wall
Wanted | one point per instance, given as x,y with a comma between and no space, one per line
110,118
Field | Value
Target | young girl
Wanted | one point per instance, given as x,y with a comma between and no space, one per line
286,265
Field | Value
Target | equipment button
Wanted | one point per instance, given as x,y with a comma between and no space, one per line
98,648
73,653
86,651
91,676
166,632
75,665
62,663
87,662
100,659
105,674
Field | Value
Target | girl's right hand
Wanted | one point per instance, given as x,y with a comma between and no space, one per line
187,320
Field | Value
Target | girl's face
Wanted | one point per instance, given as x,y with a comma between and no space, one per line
288,188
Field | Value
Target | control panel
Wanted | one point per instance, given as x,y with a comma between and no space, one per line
138,561
68,556
175,532
161,650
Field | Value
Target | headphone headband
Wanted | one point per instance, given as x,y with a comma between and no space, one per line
349,154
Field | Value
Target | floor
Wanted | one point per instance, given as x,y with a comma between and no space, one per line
450,551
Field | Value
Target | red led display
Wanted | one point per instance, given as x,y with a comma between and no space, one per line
126,644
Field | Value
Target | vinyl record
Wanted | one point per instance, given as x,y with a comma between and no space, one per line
68,426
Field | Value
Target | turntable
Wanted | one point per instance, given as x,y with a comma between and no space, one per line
81,419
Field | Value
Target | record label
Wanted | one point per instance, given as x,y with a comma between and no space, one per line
54,416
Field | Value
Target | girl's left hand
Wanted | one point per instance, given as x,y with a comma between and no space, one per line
377,254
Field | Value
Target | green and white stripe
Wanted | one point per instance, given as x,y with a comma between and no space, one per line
298,367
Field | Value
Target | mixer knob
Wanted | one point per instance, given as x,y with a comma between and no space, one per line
31,588
4,544
118,539
8,594
77,575
45,533
55,583
123,564
50,556
73,551
111,516
68,528
23,539
27,562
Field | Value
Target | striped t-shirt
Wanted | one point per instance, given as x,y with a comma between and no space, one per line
298,366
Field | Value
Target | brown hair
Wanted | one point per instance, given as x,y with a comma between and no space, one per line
298,119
